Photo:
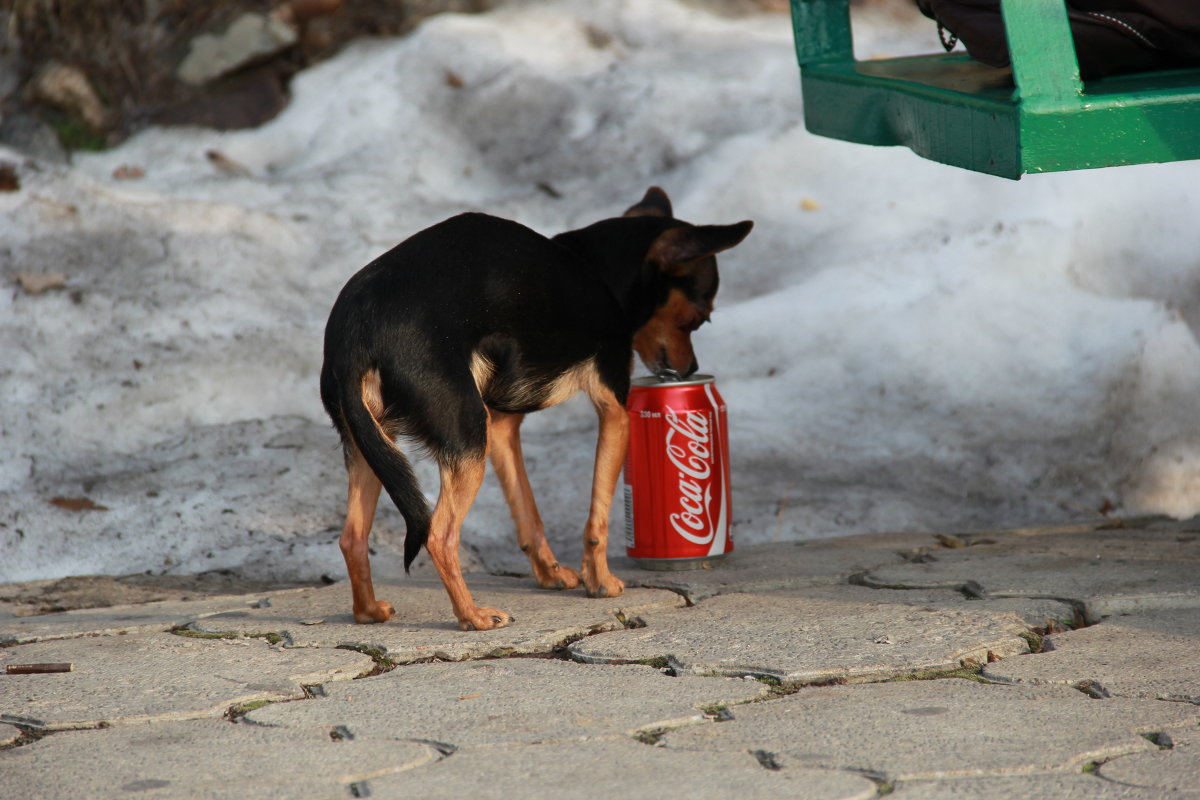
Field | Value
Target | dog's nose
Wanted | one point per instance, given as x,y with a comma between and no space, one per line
691,370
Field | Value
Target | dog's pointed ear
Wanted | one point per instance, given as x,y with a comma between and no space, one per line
654,204
674,249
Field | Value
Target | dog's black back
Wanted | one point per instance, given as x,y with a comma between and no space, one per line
479,312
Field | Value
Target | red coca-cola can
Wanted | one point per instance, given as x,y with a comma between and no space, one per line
677,510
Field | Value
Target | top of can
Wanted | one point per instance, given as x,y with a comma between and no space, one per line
656,381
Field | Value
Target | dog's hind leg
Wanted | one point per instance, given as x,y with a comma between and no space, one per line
598,581
460,483
504,439
362,498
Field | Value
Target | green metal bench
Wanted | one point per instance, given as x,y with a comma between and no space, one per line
1037,117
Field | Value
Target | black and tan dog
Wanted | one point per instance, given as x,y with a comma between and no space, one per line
451,337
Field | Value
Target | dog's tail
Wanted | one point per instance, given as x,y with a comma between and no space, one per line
388,463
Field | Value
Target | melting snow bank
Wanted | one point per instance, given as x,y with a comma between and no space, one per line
902,345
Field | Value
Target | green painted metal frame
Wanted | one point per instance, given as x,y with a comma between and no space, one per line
1037,117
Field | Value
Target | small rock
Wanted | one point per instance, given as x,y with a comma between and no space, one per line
9,182
227,165
37,283
250,38
68,89
127,172
77,504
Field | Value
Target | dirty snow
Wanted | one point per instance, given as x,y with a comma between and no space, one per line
902,345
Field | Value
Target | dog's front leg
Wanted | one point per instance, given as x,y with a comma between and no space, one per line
610,456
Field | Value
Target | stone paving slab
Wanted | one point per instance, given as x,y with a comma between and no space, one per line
1100,587
1146,655
1109,543
1173,772
1035,612
56,595
912,730
498,727
1018,787
797,637
208,759
503,701
1167,772
614,768
424,626
153,617
119,680
782,565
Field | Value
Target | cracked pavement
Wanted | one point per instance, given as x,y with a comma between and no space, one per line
1060,662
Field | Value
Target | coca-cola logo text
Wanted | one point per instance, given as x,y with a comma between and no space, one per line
689,447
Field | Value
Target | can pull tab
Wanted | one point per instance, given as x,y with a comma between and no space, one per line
668,374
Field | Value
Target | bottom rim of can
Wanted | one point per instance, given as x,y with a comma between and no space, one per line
676,564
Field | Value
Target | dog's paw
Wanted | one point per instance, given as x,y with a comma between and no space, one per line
559,577
607,586
379,612
484,619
